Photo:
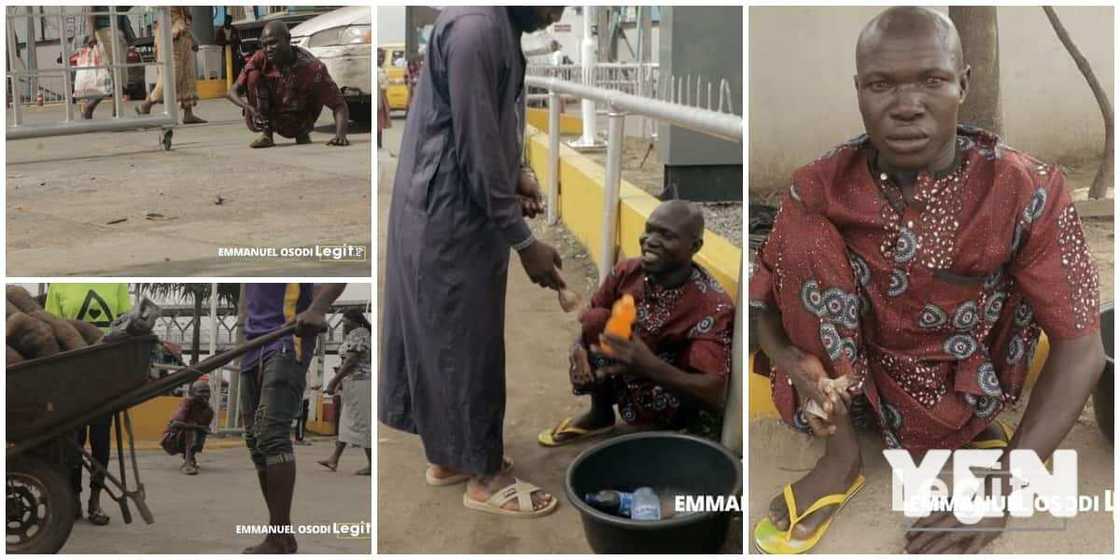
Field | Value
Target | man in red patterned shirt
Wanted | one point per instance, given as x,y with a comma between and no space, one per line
673,372
917,264
282,90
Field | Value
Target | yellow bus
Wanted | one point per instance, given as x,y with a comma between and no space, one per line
396,68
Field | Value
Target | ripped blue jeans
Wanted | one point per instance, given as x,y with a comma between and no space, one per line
271,396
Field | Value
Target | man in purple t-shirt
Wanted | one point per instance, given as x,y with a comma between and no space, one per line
273,379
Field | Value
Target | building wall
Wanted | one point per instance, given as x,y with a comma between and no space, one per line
704,42
802,99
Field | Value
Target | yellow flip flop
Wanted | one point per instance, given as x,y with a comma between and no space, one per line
1008,433
547,438
768,539
1004,427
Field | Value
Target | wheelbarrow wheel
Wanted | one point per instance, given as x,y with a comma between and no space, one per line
41,507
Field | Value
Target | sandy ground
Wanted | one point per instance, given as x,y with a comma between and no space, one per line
867,525
779,456
64,191
415,518
199,514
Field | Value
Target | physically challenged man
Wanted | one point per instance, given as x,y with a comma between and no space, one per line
282,89
187,429
918,263
459,203
272,382
673,373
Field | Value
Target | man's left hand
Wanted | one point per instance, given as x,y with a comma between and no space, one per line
954,536
632,354
310,323
529,193
338,141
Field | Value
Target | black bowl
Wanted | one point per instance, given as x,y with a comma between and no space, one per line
661,460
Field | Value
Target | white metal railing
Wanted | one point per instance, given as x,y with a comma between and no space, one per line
715,123
26,84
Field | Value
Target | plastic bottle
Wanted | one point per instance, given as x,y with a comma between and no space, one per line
646,506
613,502
621,321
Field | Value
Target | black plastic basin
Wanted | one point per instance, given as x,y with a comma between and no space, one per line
660,460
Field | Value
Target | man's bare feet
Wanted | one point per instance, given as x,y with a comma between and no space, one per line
833,474
191,118
480,489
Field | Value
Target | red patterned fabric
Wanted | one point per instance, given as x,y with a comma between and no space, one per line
290,99
934,307
689,326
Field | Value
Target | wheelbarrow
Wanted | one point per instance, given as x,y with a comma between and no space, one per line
48,398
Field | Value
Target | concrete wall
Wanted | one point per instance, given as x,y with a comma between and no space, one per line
703,41
802,100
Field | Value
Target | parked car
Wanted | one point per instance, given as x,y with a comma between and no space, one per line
342,39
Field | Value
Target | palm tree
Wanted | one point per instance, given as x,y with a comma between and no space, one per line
197,293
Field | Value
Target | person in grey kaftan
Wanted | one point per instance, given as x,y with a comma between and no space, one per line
460,198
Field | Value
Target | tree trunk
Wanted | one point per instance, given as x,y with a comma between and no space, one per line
978,27
1103,181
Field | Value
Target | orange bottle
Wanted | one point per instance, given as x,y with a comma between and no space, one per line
621,321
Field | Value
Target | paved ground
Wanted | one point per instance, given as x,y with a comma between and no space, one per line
64,191
867,526
199,514
415,518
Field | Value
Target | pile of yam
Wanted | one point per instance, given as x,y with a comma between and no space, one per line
34,333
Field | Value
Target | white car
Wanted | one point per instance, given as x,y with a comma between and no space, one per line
343,41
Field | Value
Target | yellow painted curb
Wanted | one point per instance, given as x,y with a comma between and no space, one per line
570,123
210,89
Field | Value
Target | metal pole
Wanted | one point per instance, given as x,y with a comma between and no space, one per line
235,372
216,375
553,156
32,57
80,127
587,62
16,74
732,436
723,125
167,73
67,86
118,104
615,121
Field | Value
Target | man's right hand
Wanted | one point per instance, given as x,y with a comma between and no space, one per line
542,263
807,374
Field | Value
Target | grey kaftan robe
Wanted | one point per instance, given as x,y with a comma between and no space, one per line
453,218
